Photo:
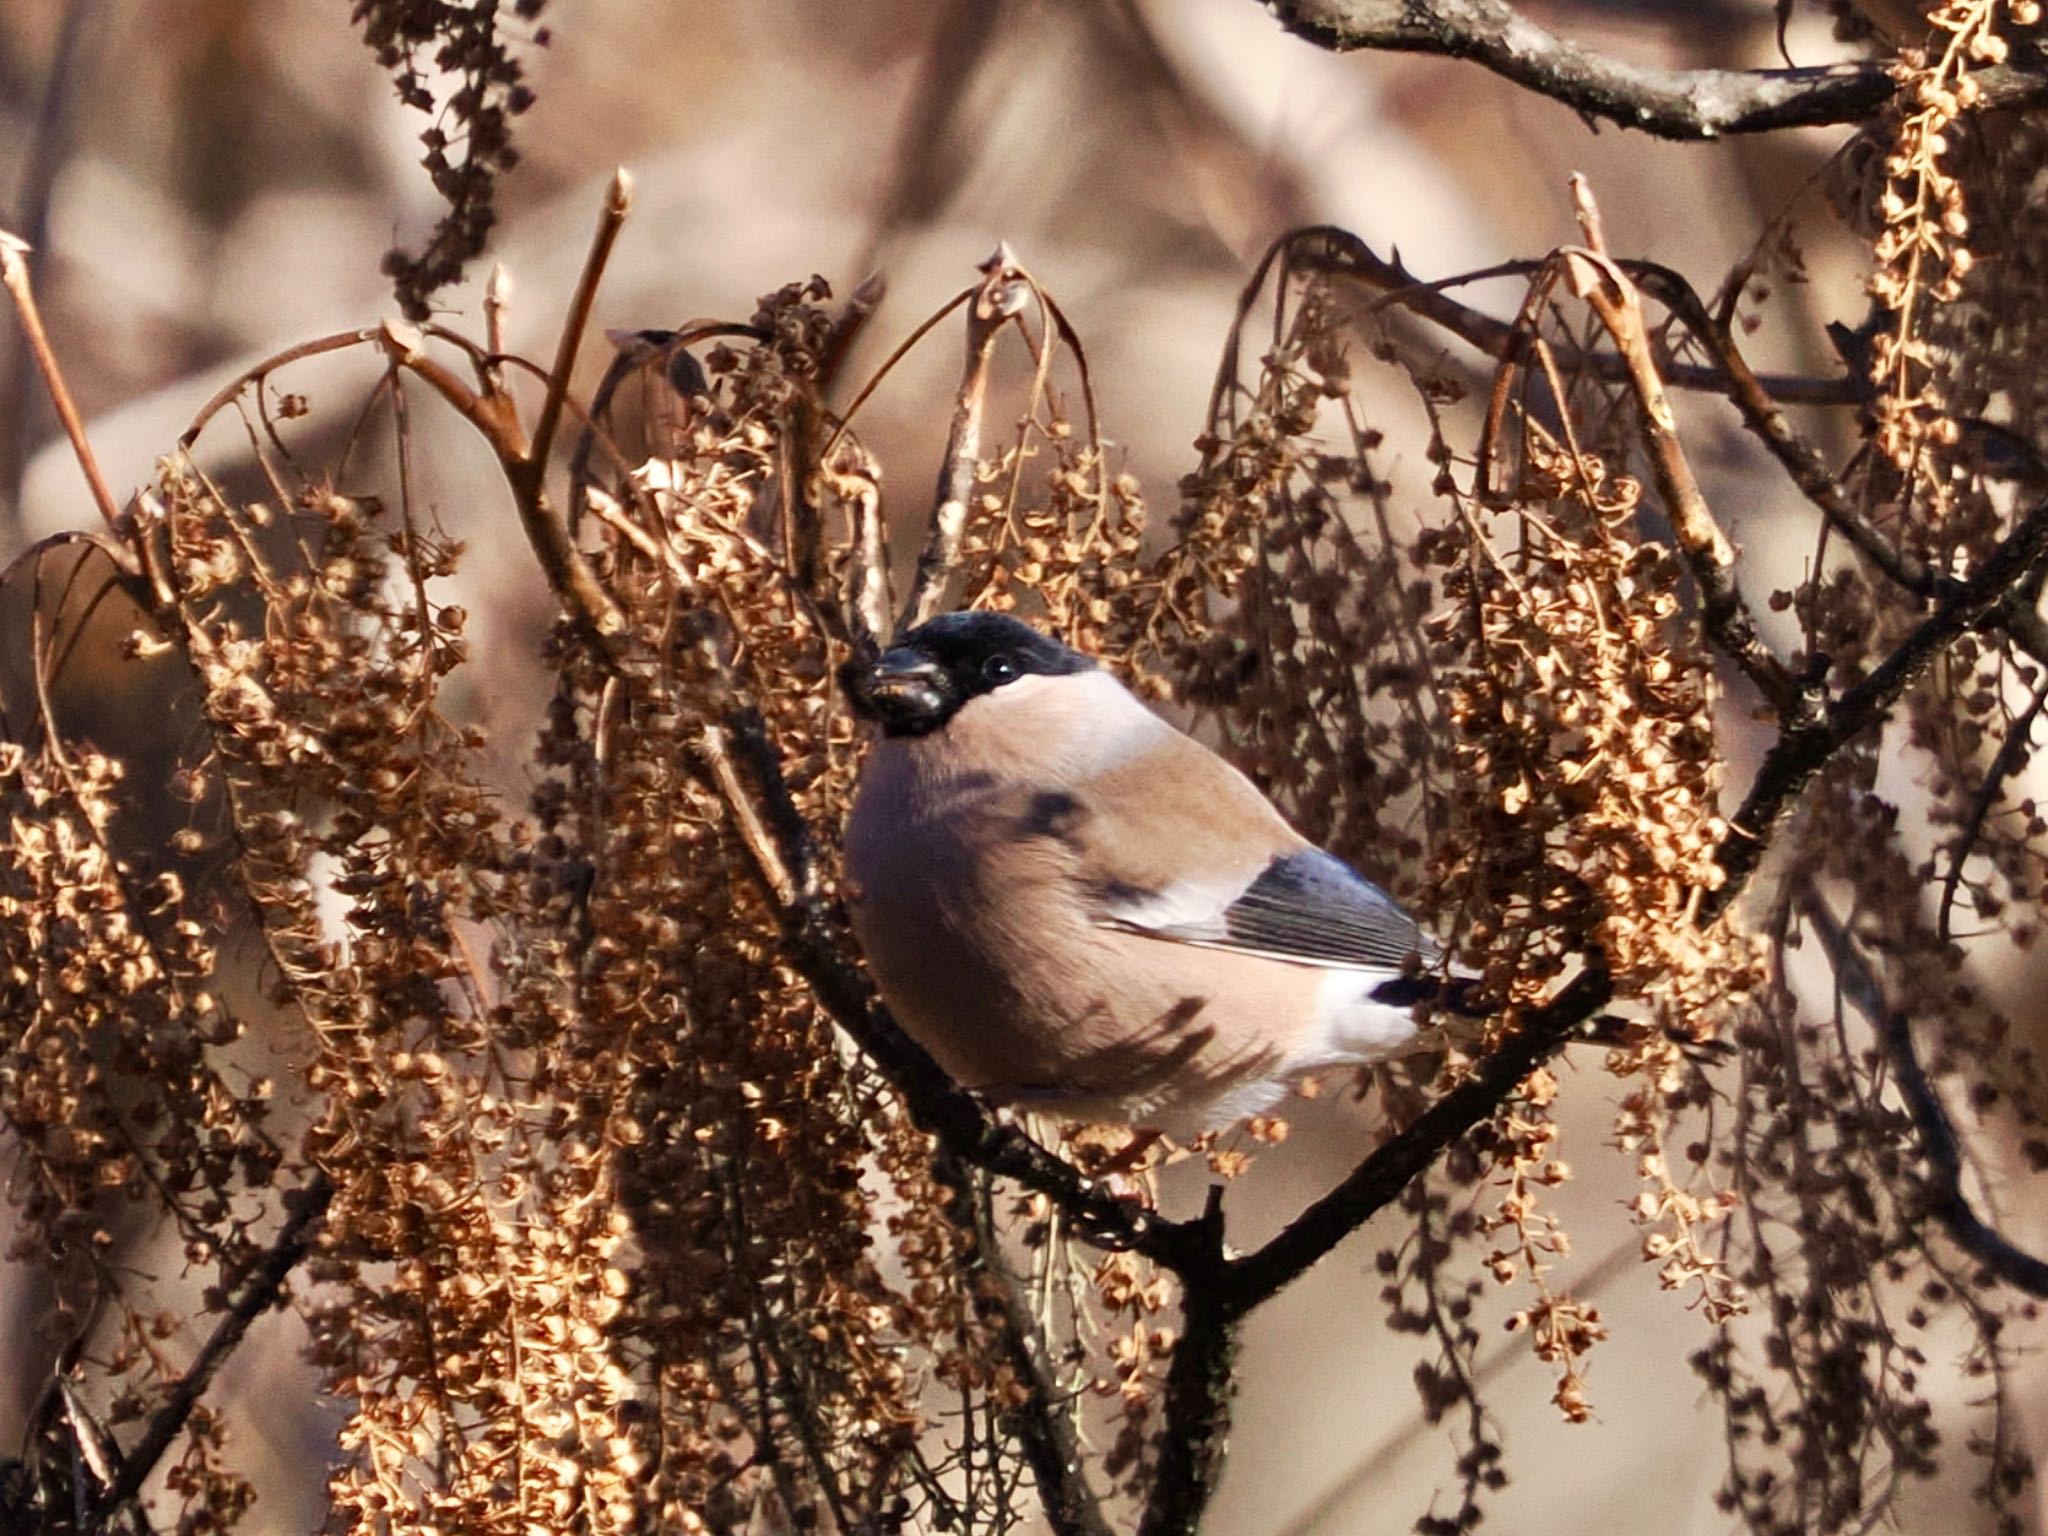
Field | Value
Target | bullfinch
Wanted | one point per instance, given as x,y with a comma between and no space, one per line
1078,909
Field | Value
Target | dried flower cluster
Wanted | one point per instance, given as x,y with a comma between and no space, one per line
611,1196
1924,248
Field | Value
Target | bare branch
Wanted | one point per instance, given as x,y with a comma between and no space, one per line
80,44
225,395
618,203
2013,754
1672,104
1337,252
1218,1292
1051,1440
1199,1386
1762,415
569,575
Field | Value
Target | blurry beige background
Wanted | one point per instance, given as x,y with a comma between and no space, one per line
224,178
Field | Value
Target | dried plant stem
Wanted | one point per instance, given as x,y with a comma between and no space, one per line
497,304
1762,414
767,858
868,569
1051,1441
996,302
1332,252
226,395
1493,426
15,274
1600,281
618,203
2013,754
569,575
80,42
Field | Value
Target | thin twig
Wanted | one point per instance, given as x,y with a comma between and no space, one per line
1378,1181
618,203
768,859
1052,1444
866,599
225,395
2013,754
14,274
49,141
1327,250
568,573
1762,414
497,304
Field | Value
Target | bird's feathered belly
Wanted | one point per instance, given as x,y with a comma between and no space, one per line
1124,1027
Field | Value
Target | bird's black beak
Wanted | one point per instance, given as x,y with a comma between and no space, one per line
905,690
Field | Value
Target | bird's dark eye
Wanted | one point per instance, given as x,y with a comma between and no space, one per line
998,670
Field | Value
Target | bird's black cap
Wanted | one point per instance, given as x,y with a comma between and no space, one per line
930,672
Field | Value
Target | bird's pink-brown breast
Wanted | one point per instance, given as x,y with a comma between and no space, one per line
979,861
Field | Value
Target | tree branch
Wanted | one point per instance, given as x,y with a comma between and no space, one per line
15,276
261,1289
1199,1386
1050,1437
1378,1181
1938,1141
1000,297
1328,250
1761,414
1217,1293
1690,104
1985,599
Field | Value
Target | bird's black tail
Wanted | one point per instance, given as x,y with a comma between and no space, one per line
1463,997
1459,995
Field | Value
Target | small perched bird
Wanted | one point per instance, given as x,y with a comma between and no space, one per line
1078,909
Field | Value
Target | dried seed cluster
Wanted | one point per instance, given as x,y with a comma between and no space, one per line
469,141
623,1236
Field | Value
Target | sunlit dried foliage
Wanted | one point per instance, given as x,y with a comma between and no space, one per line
610,1197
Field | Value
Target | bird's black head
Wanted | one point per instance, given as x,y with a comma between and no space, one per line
924,679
